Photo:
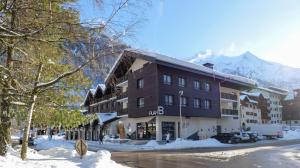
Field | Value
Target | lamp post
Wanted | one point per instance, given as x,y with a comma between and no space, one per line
180,95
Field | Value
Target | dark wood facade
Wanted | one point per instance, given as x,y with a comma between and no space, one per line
291,108
154,90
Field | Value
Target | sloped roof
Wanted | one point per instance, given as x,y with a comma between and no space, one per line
243,97
159,58
273,91
253,94
91,91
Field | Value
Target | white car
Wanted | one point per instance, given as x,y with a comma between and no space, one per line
243,136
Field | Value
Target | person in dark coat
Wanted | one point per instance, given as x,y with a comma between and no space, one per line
101,138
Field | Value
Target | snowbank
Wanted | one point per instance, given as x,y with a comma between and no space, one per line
56,153
153,145
183,144
291,134
42,142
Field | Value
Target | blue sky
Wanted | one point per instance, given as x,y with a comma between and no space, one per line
181,28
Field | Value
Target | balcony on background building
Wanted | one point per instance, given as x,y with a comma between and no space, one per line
105,97
122,80
230,112
228,96
122,95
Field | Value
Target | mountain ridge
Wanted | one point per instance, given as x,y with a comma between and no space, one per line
247,64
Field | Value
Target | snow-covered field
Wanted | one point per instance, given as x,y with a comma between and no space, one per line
57,153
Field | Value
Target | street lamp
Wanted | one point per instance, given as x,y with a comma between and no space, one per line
180,95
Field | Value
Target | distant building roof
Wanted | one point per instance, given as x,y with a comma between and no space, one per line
253,94
244,97
283,93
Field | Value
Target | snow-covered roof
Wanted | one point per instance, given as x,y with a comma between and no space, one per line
253,94
102,87
243,97
113,67
290,96
91,91
166,59
272,91
104,117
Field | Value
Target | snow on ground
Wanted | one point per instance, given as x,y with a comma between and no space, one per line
56,153
226,155
153,145
291,134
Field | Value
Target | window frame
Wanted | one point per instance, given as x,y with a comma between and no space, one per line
140,83
199,103
205,104
205,88
139,105
199,85
180,80
181,101
168,102
165,79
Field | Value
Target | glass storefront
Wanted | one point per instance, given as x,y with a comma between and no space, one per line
168,127
146,130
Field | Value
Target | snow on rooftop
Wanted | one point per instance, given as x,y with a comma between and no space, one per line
253,94
103,117
190,65
272,91
290,96
243,97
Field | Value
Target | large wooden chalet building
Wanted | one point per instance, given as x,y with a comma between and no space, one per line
141,94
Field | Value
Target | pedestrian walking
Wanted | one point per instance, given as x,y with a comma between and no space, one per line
168,137
101,138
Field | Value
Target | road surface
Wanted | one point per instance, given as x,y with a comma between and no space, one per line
277,154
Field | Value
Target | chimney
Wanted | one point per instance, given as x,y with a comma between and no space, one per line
209,65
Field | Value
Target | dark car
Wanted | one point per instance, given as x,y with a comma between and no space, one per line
30,141
253,136
227,138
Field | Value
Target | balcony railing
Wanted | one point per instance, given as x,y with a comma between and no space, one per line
122,95
122,79
105,97
122,111
230,112
229,96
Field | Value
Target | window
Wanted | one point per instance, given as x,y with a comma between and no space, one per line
140,83
207,104
140,102
183,101
167,80
197,85
168,100
181,82
207,86
196,103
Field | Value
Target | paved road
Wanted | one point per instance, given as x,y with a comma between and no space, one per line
275,154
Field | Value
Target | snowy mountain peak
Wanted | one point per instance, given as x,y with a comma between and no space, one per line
249,65
249,55
202,55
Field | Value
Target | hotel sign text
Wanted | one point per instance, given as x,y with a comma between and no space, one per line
159,111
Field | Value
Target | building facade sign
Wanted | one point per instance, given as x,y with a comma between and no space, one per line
159,111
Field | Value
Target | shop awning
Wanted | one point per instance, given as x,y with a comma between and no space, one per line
106,117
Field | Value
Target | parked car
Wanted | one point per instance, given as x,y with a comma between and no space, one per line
243,136
30,141
253,136
227,138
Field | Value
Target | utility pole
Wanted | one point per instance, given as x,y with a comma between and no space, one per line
180,95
